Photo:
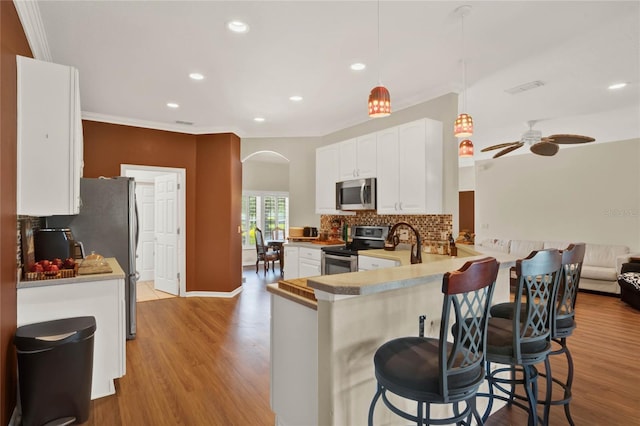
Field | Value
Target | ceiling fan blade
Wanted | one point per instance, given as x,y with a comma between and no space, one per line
498,146
508,150
570,139
547,149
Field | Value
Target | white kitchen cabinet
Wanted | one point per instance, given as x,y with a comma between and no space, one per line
49,148
309,262
368,263
358,157
410,168
327,164
290,262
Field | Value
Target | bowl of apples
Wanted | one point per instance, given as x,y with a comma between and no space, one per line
50,269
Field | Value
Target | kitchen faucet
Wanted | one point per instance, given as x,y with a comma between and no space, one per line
415,258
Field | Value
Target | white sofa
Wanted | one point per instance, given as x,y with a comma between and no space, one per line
600,268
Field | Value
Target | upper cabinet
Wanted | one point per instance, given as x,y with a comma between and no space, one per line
358,158
327,169
49,149
410,168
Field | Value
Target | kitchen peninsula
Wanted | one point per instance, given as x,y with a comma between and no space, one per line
98,295
322,352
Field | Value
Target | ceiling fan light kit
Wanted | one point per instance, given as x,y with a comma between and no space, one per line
546,146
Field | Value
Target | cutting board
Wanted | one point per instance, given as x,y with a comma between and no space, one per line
299,287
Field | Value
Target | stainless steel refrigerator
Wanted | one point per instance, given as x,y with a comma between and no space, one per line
108,224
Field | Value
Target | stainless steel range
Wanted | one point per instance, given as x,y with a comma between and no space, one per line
341,259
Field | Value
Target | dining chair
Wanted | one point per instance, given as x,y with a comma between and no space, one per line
263,253
442,371
563,324
524,340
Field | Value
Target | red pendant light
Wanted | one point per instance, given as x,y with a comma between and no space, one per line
463,127
379,102
379,98
465,149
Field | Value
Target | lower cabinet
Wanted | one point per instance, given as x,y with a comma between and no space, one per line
102,299
291,262
309,262
367,263
301,262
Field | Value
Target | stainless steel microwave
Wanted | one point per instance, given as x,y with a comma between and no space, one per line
357,194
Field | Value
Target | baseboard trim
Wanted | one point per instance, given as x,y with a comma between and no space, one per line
219,294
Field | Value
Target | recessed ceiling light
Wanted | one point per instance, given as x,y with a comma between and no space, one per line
295,98
172,105
617,86
238,27
258,119
358,66
196,76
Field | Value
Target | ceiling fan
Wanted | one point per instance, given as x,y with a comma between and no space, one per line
547,146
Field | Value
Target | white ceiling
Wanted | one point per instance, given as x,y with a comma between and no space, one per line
135,56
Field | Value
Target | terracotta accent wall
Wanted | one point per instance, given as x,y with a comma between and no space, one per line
210,188
218,244
14,43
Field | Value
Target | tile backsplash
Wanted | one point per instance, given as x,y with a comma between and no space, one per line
432,227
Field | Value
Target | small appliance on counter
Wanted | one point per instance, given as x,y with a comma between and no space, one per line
54,243
309,231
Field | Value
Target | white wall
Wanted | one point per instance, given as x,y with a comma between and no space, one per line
265,176
588,193
467,178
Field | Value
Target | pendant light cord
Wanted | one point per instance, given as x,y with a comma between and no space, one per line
464,69
379,62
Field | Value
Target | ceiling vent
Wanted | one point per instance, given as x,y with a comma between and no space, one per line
524,87
186,123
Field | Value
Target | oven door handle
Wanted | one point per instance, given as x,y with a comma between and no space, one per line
337,257
362,192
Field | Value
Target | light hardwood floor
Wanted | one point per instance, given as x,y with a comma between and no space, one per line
205,361
145,291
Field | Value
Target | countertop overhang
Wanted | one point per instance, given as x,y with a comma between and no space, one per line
376,281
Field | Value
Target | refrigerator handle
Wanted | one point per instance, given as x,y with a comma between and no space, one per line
135,203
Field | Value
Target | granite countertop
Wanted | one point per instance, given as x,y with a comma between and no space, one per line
375,281
309,244
113,263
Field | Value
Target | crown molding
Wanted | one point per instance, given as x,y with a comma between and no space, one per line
31,20
170,127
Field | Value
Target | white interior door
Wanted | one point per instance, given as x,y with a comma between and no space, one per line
146,221
166,234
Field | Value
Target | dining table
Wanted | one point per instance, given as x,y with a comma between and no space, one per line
276,245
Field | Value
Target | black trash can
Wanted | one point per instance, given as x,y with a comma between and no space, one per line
55,365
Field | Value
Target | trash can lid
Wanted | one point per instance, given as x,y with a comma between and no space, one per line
48,334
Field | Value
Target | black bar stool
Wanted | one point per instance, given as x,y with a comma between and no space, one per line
524,340
562,327
436,371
